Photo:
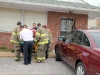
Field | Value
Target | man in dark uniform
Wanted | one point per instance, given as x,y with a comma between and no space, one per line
34,26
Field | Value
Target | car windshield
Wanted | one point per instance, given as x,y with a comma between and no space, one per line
96,37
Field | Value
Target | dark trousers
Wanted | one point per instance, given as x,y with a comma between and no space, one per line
27,51
22,49
46,55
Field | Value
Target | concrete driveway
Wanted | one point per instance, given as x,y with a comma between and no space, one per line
51,67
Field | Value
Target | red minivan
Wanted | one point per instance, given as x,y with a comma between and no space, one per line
81,50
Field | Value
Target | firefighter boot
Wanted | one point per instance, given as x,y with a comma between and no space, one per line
38,61
43,61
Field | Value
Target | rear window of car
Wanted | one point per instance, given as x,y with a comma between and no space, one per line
96,37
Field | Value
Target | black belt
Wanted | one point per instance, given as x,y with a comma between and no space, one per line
28,41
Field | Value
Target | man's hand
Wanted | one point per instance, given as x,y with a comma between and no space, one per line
22,43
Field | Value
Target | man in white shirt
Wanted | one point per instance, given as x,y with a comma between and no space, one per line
26,36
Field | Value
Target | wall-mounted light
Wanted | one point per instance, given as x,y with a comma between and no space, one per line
71,11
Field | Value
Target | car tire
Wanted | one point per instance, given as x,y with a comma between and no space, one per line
80,69
58,58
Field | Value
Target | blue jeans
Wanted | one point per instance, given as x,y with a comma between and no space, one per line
27,51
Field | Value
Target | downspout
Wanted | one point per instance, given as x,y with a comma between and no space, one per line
22,16
96,22
46,21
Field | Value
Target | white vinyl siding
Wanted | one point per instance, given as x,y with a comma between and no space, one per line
9,18
31,17
91,23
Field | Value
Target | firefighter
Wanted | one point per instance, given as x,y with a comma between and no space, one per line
50,40
15,39
42,39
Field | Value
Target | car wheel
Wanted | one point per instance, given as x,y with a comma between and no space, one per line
58,58
80,69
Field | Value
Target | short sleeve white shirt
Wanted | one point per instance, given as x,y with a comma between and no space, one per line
26,35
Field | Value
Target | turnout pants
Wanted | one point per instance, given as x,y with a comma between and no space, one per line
41,52
17,48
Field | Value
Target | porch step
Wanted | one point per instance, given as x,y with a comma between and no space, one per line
9,54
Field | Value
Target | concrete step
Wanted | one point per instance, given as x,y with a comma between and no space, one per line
9,54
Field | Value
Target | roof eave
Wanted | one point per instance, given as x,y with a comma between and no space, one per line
49,7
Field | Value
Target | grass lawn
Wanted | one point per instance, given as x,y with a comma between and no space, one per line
4,49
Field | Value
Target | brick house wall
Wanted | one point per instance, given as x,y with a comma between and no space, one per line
54,18
5,40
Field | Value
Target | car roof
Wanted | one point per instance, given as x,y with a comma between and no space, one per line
89,30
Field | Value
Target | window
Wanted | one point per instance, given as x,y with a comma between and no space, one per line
77,39
66,25
96,38
69,36
85,41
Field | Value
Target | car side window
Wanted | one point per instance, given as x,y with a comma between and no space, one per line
77,38
69,36
85,41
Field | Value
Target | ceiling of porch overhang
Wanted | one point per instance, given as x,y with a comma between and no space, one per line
92,13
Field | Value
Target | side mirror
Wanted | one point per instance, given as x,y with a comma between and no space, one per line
64,39
60,38
73,39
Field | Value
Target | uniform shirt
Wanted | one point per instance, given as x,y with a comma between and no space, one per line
26,35
35,28
34,31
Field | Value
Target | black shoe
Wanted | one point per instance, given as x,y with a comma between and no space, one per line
25,63
12,51
29,63
46,57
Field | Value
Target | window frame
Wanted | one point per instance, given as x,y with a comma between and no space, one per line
88,40
71,36
74,35
62,32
